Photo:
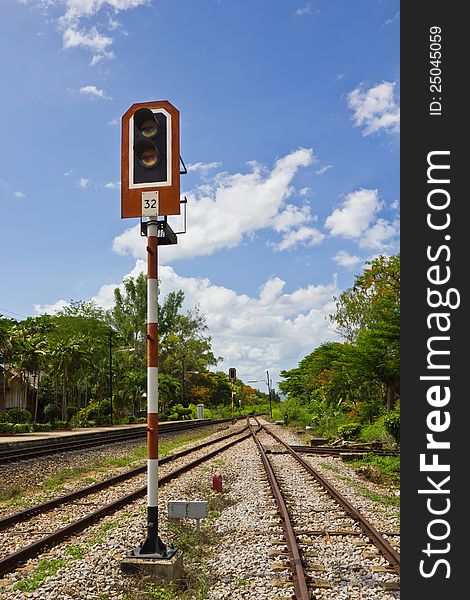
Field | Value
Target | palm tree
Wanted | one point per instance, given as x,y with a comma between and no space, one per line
67,358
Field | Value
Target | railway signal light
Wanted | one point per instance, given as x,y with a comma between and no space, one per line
150,159
232,374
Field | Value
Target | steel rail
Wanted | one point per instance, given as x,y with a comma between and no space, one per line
11,561
88,440
390,554
19,454
29,512
300,583
339,451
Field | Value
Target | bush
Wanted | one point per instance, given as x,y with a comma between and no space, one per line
61,425
19,415
95,411
105,407
375,431
86,423
4,417
392,424
296,413
51,412
21,428
71,411
181,412
6,427
42,427
328,423
349,431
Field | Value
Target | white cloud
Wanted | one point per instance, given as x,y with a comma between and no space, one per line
357,219
344,259
83,183
290,217
204,167
292,222
375,109
304,191
306,10
355,215
272,330
112,185
395,17
322,170
379,235
91,40
114,121
19,194
94,92
230,207
50,309
77,13
308,236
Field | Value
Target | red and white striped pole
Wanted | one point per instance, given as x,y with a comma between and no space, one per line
153,544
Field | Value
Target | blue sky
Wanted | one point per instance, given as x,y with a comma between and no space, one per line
289,127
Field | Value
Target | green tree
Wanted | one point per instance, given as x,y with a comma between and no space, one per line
184,345
369,315
129,313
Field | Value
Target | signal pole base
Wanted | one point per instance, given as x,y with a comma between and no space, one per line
168,568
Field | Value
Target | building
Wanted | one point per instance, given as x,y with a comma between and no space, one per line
16,392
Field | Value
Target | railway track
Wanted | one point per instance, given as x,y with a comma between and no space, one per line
313,513
37,518
9,455
327,450
308,552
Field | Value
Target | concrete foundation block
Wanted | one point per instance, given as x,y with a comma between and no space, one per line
169,569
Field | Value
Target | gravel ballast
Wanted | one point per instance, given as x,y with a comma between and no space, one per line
244,562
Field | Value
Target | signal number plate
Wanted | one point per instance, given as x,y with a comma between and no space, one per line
150,204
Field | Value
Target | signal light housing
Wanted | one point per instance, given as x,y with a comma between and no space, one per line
150,158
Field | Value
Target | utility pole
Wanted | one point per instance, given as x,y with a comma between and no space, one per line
232,374
183,359
233,403
111,372
269,392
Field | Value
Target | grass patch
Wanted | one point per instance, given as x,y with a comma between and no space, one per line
383,469
379,469
75,552
378,498
100,536
61,477
153,591
160,593
166,446
19,502
45,568
330,467
10,494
